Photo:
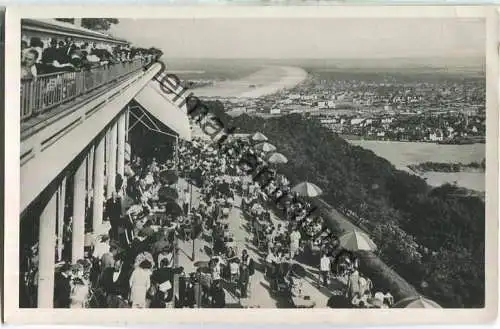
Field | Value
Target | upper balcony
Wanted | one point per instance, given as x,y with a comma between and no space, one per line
51,96
65,65
66,104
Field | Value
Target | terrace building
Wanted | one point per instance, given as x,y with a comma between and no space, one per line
75,141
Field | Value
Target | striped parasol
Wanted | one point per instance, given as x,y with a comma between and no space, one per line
277,158
265,147
416,302
259,137
307,189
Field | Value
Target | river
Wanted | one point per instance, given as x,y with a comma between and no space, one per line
263,82
402,154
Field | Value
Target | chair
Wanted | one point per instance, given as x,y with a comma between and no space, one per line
234,272
188,231
261,240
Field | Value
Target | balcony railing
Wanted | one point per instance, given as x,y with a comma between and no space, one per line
47,91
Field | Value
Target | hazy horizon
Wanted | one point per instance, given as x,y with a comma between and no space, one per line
476,64
373,39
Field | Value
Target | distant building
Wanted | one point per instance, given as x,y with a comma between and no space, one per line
436,135
356,121
275,111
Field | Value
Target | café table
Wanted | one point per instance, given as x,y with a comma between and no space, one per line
301,302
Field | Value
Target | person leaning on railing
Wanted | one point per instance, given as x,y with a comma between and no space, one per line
29,69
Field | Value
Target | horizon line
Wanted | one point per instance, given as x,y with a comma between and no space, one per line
479,57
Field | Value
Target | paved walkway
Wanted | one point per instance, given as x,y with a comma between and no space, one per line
259,291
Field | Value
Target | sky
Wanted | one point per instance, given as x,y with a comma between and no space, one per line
287,38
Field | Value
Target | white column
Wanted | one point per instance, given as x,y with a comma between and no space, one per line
46,250
79,192
90,174
120,161
127,123
111,165
98,207
61,202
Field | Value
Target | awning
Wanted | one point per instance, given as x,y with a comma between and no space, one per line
153,100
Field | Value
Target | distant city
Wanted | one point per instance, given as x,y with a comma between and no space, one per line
450,109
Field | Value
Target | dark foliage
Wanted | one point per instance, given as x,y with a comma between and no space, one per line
98,24
427,235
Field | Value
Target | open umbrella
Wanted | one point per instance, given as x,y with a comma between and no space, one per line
307,189
277,158
416,302
259,137
196,177
265,147
166,192
357,240
168,177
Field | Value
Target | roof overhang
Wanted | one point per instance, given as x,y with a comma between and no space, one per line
157,104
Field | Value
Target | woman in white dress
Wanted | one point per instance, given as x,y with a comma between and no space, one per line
140,281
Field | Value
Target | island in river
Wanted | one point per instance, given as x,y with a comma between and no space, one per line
449,167
404,155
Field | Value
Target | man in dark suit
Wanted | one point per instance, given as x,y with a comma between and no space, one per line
51,53
113,214
62,287
118,182
218,295
115,284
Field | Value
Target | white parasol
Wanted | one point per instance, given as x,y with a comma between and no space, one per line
357,240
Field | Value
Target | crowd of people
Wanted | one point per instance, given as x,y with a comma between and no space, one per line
133,260
67,55
302,234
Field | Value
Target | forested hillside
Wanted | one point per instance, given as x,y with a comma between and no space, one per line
427,235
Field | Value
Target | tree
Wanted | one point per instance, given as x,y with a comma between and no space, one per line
407,218
96,24
99,24
66,20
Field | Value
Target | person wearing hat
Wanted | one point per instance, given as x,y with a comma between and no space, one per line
79,289
107,260
113,215
249,262
62,287
378,300
115,283
51,53
192,288
218,295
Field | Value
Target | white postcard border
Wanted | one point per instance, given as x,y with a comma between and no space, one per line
14,315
